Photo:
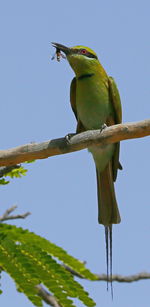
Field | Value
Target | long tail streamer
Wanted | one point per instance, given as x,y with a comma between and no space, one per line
108,240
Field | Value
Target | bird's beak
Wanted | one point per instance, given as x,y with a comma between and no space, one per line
62,48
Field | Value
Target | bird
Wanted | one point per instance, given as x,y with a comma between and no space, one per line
96,104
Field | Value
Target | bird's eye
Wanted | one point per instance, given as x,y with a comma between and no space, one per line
83,51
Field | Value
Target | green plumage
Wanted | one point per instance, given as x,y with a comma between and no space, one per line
95,101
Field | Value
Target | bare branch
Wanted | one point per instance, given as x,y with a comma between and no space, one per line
115,277
6,216
130,278
47,297
77,142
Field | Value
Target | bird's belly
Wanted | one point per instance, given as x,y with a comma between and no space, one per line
102,155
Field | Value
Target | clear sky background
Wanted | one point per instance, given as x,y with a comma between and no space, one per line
61,191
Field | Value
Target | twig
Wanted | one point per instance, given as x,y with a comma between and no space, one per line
6,216
73,272
47,297
130,278
115,277
80,141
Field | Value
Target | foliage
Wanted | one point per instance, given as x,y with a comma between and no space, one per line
31,260
3,181
15,171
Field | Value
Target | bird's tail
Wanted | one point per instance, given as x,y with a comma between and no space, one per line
108,212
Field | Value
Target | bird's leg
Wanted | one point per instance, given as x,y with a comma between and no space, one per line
103,127
69,136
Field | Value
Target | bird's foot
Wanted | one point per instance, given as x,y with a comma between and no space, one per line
69,136
103,127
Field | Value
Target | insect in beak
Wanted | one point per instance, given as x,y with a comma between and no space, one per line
58,55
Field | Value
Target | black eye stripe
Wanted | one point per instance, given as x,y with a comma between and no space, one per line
90,55
87,54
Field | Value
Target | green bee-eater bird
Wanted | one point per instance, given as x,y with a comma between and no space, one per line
95,102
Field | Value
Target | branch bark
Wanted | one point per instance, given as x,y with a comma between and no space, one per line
130,278
48,298
77,142
115,277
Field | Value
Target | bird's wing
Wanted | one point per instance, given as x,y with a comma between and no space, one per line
116,102
80,127
115,99
73,96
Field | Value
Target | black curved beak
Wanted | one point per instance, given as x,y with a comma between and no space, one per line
62,48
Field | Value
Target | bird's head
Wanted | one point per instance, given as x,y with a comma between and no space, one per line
81,59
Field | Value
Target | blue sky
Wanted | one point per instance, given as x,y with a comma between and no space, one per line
61,191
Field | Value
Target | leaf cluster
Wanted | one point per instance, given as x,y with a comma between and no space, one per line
32,260
15,171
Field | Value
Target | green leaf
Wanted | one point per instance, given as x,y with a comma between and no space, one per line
9,259
4,181
31,161
17,172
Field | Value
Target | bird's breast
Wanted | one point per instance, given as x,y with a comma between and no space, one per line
92,102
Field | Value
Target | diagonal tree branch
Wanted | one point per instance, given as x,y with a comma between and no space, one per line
77,142
47,297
